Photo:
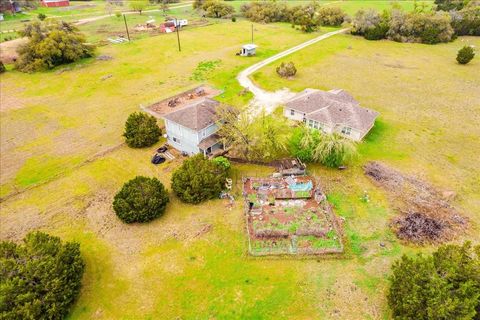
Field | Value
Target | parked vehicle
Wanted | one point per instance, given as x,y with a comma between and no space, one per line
162,149
158,159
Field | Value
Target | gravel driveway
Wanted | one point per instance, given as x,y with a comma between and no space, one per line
270,100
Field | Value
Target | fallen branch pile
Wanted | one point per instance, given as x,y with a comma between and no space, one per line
427,215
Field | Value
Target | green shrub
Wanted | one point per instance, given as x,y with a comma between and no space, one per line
302,143
377,33
223,162
466,22
333,150
286,70
305,17
447,5
234,19
198,179
39,279
2,67
465,55
266,11
141,199
331,16
51,44
197,4
141,130
445,285
217,9
41,16
139,5
429,28
365,20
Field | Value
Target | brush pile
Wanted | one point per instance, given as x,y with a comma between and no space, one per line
427,215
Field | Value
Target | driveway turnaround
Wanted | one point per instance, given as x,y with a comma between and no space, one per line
270,100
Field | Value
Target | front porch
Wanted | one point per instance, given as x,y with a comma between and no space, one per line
211,146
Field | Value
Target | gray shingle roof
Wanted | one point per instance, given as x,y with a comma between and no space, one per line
196,116
335,107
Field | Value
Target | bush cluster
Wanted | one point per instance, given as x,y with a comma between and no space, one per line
309,17
141,130
51,44
401,26
286,70
445,285
199,179
141,199
419,26
215,8
467,20
331,16
39,279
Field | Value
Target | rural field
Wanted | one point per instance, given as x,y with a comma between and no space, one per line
63,158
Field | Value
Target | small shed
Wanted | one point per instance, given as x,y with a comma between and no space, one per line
248,50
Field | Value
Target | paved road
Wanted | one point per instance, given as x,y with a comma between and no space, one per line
270,100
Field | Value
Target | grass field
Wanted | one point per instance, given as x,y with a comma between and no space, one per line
61,148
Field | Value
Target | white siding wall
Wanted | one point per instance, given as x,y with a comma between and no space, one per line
297,116
208,131
187,139
354,134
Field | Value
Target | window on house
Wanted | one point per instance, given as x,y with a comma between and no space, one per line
292,112
310,123
176,140
315,125
347,130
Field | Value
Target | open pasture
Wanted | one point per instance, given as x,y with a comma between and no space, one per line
63,159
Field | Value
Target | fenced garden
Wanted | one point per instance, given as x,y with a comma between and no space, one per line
289,216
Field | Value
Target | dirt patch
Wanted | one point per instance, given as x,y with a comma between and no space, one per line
182,100
8,50
130,238
427,215
11,229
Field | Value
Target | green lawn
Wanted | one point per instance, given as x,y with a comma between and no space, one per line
53,122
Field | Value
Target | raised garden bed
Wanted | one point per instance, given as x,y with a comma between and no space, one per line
283,218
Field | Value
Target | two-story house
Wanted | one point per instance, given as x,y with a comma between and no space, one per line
331,111
193,128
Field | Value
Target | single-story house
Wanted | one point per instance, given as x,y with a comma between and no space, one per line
55,3
193,128
331,111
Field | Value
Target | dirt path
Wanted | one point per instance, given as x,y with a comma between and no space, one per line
270,100
87,20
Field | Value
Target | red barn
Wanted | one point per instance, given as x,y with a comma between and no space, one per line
55,3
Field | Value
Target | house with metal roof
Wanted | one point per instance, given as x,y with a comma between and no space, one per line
334,111
193,128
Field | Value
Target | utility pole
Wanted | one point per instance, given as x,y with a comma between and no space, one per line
252,33
126,27
177,26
